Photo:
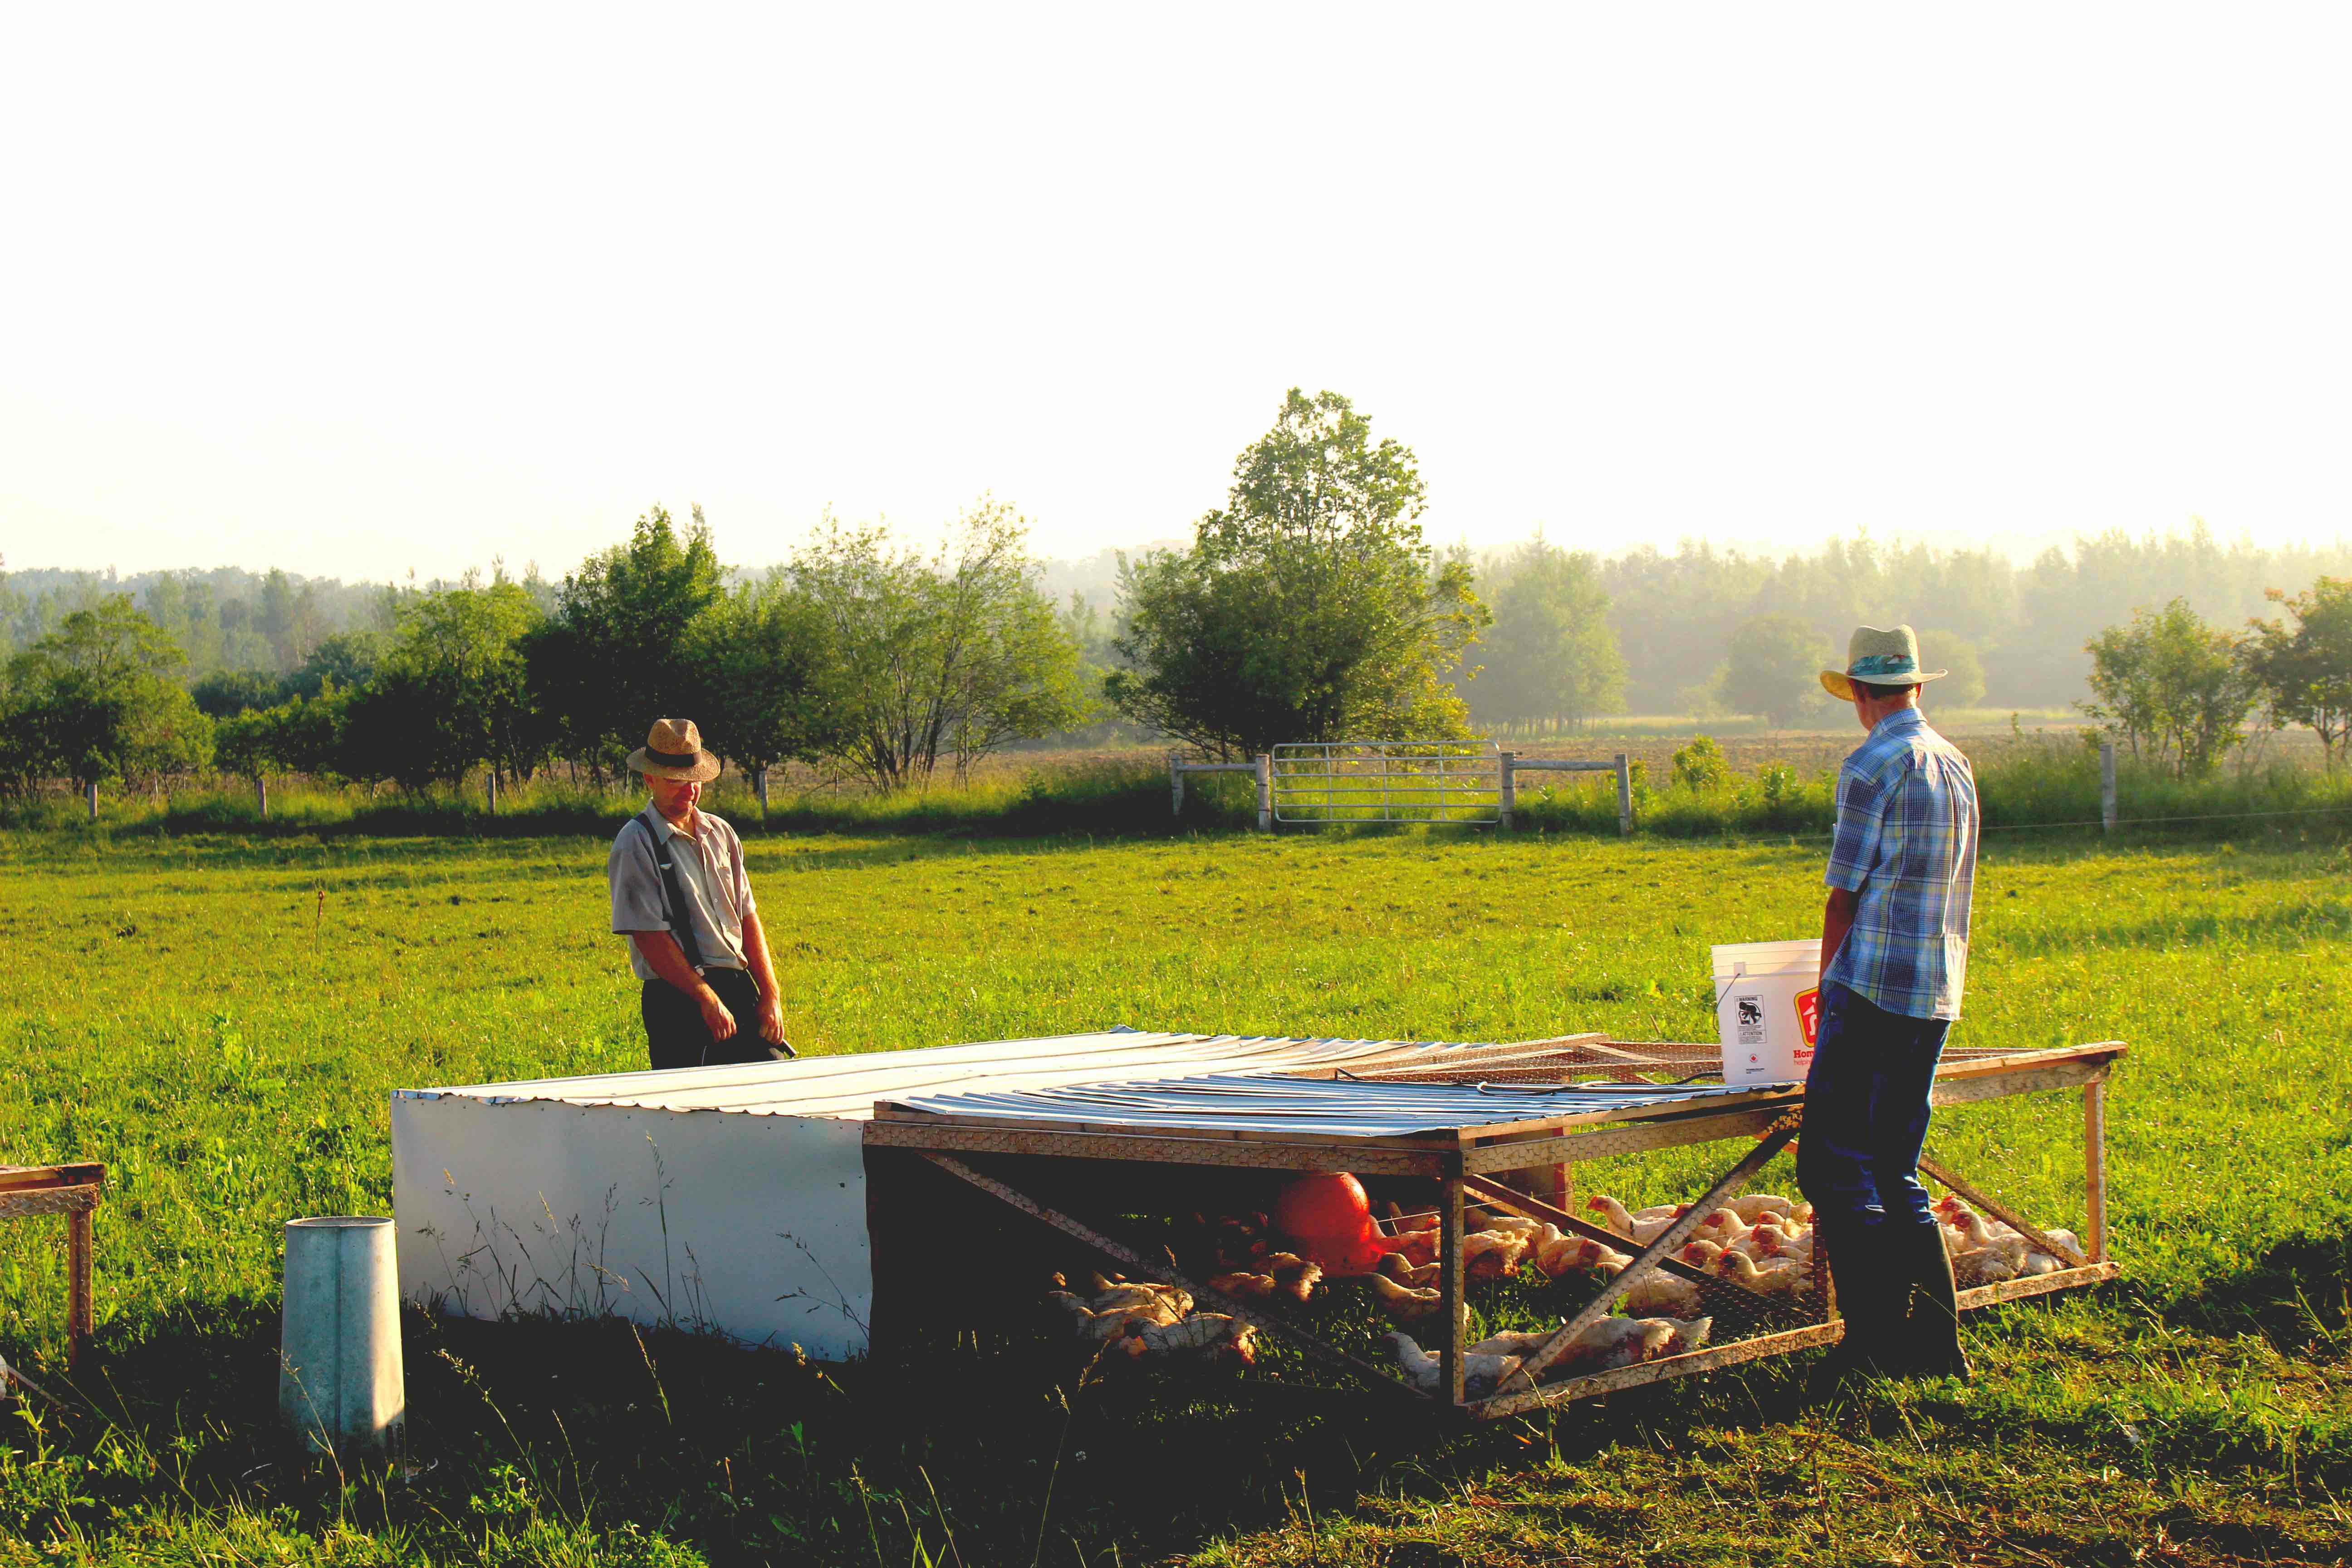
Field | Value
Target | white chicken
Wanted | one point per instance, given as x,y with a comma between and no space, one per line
1604,1344
1404,1303
1701,1253
1608,1344
1580,1252
1480,1374
1781,1277
1414,1276
1724,1227
1754,1206
1493,1254
1642,1230
1512,1224
1775,1241
1658,1294
2000,1257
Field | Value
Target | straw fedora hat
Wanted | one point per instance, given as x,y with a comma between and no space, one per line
1882,658
673,750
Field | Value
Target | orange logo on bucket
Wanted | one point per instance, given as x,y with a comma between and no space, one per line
1809,1015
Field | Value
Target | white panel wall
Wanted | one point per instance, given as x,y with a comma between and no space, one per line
752,1224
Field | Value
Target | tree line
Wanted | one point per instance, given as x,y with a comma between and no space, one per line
1309,606
887,660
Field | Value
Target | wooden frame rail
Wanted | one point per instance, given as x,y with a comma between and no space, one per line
73,1191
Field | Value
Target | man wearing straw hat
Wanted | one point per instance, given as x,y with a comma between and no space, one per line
682,897
1894,949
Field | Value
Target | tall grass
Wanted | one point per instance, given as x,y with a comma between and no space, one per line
2049,783
1115,798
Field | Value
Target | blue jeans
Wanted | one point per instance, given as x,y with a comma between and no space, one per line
1866,1113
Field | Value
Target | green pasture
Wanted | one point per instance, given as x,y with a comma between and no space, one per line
220,1017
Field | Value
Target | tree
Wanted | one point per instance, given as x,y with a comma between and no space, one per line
774,689
2175,688
347,659
2305,674
1964,686
1552,656
613,657
225,693
1775,670
956,655
451,695
1308,608
247,743
1701,765
98,699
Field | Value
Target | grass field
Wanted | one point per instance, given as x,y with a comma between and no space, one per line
220,1020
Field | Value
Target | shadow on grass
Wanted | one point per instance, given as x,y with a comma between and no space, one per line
2297,1295
988,1446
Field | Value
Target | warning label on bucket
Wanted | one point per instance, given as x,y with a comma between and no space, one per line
1749,1019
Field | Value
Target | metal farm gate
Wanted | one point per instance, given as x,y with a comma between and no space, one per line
1388,781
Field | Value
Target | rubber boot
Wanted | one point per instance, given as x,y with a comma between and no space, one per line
1931,1338
1872,1296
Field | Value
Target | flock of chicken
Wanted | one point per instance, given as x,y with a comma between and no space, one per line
1761,1242
1139,1318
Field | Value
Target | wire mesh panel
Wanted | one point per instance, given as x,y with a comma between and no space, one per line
1388,781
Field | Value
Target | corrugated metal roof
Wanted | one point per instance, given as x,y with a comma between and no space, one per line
846,1087
1341,1106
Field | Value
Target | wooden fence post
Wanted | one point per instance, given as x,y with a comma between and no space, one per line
1266,792
490,789
2106,786
261,796
93,800
1624,798
1507,789
1175,785
759,788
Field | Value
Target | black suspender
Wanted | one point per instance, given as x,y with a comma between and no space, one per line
675,908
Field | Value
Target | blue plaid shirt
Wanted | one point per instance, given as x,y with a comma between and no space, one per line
1906,843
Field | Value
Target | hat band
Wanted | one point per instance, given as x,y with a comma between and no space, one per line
673,759
1871,666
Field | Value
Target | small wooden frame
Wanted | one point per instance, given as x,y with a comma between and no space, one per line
1470,1160
73,1191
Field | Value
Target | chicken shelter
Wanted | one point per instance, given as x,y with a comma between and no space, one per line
775,1203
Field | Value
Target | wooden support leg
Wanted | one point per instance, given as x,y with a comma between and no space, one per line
1453,1311
2095,1170
79,1313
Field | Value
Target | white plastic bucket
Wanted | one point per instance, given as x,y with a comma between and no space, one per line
1767,996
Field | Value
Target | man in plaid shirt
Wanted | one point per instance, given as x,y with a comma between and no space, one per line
1894,952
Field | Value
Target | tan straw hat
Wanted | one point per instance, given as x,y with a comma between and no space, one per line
1889,658
673,750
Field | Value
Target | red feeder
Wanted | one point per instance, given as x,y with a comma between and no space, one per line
1329,1217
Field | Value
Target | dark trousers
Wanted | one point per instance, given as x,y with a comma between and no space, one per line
1867,1114
675,1036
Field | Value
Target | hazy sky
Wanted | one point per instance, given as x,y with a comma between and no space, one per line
357,290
